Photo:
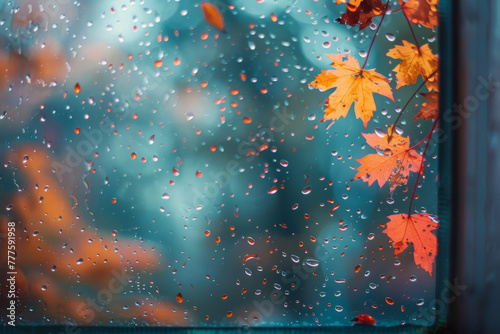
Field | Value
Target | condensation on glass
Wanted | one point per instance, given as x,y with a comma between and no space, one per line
171,163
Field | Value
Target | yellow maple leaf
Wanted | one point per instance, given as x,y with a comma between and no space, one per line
353,85
414,62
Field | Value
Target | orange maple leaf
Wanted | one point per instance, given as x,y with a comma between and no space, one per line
353,85
403,229
414,62
430,109
422,12
392,163
361,12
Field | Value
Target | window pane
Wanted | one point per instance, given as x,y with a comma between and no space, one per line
219,164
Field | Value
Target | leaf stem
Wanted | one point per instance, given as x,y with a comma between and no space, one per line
375,36
428,137
420,142
411,29
406,105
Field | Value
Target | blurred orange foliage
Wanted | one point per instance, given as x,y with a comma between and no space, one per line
45,223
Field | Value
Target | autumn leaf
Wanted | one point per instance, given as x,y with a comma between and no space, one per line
414,62
392,163
416,229
353,85
430,109
422,12
361,12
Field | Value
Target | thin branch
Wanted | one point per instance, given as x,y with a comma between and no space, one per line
389,137
376,33
421,165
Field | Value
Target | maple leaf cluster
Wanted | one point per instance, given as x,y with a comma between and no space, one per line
394,159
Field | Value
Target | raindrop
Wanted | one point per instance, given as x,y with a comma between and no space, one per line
381,133
312,262
272,190
307,190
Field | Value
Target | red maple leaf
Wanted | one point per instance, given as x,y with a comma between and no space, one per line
362,12
414,229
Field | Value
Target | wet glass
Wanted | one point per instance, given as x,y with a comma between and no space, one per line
171,163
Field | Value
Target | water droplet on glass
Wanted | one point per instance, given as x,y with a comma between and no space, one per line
312,262
307,190
273,190
381,133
